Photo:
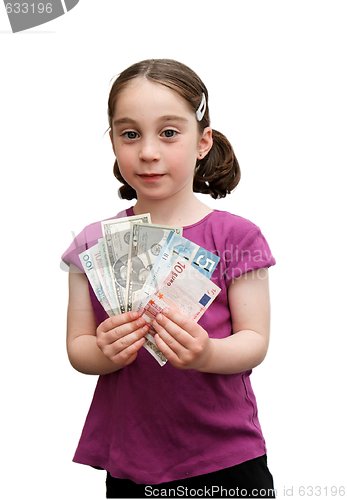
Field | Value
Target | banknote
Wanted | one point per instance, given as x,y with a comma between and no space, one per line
87,262
146,243
177,247
139,265
152,348
104,273
116,233
99,276
184,289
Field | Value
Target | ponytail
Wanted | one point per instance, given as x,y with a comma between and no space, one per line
219,172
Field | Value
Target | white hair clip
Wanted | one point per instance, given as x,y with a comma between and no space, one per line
201,109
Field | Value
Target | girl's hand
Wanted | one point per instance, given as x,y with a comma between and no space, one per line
120,337
184,343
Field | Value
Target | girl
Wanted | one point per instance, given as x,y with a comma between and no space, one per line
193,423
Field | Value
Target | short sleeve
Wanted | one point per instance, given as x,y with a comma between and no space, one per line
250,254
71,254
87,238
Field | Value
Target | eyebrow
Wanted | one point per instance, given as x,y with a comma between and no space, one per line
165,118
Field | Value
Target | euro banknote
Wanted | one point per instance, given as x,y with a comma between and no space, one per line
185,290
202,260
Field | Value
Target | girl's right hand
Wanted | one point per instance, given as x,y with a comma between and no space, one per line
121,337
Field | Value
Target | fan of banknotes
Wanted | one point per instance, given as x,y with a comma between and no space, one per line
140,266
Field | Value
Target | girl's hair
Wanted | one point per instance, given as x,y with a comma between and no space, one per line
218,173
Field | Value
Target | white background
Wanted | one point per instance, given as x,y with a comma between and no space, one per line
276,74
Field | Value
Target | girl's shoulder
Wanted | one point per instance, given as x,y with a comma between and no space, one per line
231,218
240,243
222,230
227,224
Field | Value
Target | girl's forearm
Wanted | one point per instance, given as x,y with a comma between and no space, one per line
86,357
240,352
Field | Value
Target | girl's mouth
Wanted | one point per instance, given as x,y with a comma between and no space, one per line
151,177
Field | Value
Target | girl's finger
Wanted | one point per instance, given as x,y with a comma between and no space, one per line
125,329
184,322
119,319
171,341
170,355
129,351
180,335
124,342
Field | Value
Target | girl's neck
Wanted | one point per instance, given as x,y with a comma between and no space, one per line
163,211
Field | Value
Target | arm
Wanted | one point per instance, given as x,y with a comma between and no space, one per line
249,302
98,350
187,345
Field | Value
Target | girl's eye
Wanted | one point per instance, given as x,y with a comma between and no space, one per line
169,133
130,134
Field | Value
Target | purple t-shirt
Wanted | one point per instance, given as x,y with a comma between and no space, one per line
155,424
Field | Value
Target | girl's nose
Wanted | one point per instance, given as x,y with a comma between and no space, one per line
149,150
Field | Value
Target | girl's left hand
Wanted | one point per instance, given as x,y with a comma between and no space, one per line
184,343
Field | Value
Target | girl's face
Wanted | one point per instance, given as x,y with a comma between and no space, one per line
156,140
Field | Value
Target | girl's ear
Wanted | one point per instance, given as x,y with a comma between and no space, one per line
205,143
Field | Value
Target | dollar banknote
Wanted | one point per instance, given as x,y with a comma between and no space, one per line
185,290
202,260
116,233
146,244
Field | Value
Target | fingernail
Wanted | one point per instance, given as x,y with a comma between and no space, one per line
159,317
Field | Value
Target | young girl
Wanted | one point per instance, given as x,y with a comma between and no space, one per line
192,424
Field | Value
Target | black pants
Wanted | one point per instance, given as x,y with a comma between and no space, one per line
251,479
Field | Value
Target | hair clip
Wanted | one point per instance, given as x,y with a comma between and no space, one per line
201,109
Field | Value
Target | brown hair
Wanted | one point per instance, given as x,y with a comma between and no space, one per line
218,173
